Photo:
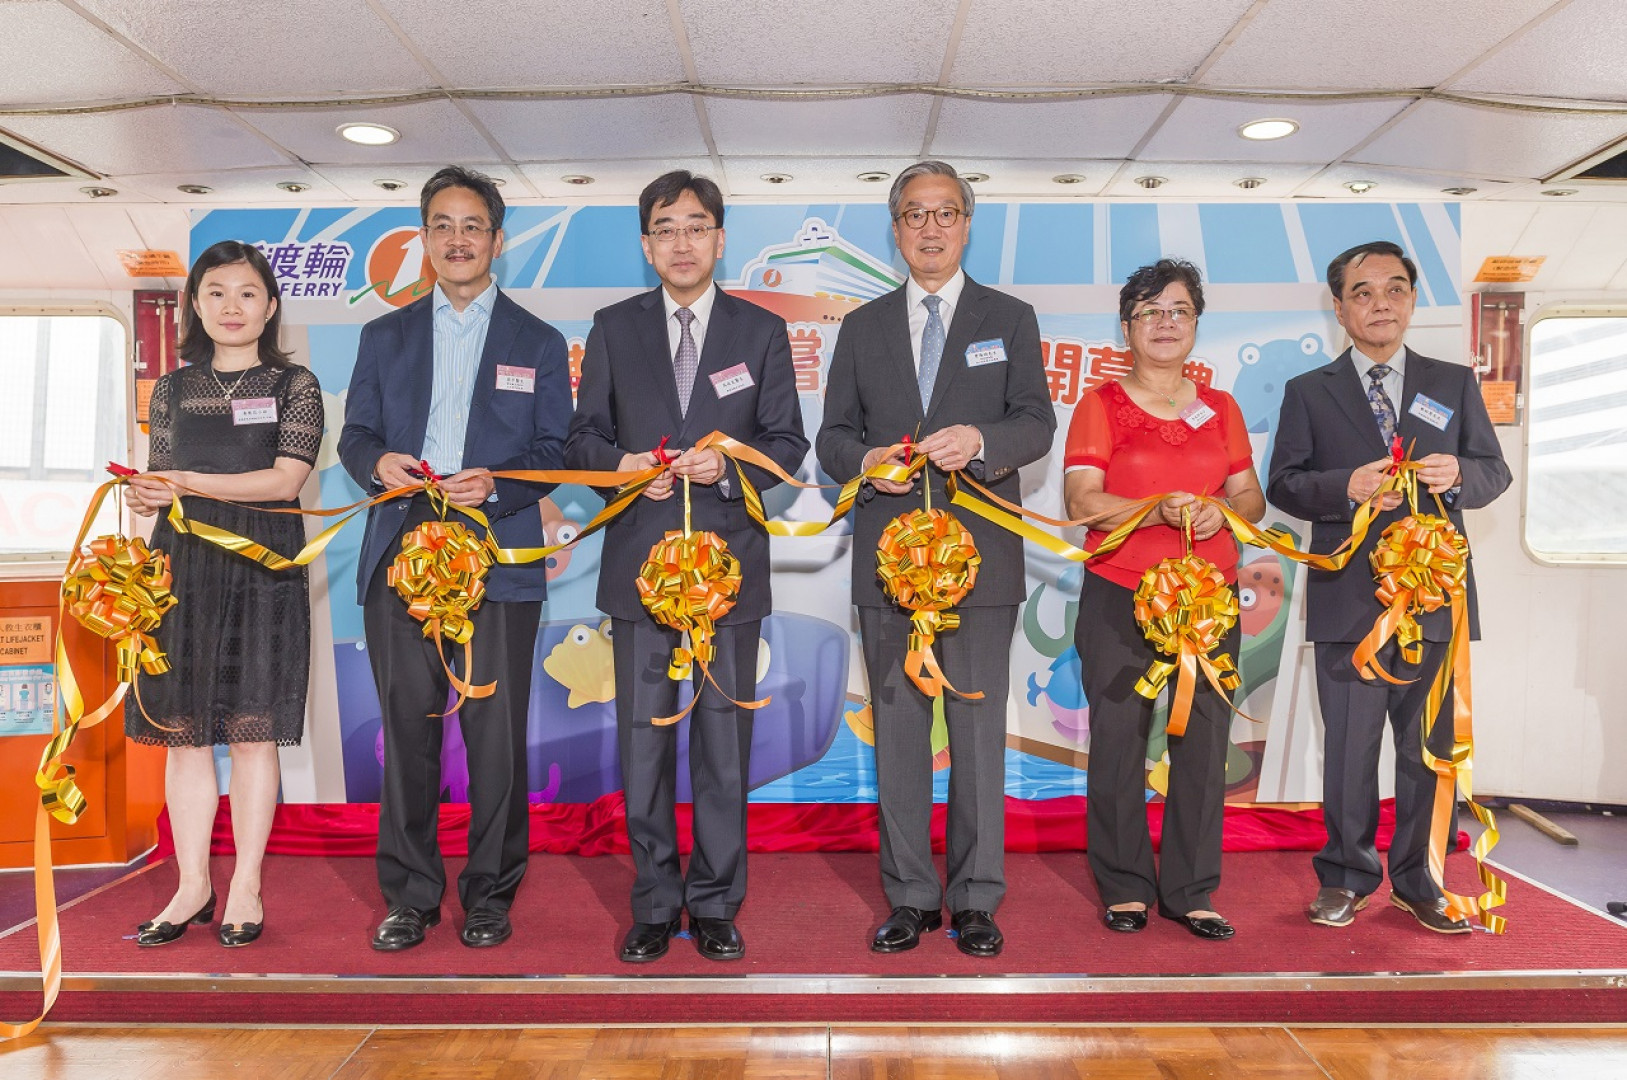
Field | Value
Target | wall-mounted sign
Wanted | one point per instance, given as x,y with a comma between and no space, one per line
148,262
1498,269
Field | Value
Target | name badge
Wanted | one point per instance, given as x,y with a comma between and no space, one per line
731,380
1197,414
979,353
521,379
1430,412
257,410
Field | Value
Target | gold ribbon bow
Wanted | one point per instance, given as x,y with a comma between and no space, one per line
440,572
1186,609
927,562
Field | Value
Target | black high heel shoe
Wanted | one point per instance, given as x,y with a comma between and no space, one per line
150,934
1210,927
235,936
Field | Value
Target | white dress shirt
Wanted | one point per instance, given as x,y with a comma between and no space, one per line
460,339
915,298
702,310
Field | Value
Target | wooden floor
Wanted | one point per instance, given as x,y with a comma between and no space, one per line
75,1052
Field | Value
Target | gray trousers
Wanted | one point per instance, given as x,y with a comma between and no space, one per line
975,656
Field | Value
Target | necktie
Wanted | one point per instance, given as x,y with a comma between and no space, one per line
932,339
1383,408
687,360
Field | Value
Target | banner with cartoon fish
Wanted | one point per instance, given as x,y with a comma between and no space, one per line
1269,318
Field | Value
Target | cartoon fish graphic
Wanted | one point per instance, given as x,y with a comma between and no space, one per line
584,664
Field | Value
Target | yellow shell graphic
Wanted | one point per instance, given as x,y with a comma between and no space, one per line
584,664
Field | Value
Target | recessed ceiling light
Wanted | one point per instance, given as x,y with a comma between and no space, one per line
776,178
1458,190
97,192
1150,182
975,177
875,177
1557,193
1249,183
369,134
1359,187
388,184
193,189
579,179
1069,178
293,187
1262,130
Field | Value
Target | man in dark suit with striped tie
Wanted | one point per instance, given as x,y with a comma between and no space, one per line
665,368
960,364
1332,449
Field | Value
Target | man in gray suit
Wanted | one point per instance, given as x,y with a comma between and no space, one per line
1332,450
961,365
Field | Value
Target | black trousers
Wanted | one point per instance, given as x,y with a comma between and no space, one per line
719,768
412,686
1354,715
975,656
1113,654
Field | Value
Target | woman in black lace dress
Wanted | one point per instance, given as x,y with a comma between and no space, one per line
240,423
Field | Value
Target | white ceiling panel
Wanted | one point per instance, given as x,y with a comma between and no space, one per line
616,181
812,177
431,131
559,130
1008,177
894,124
1052,42
1313,44
1205,129
237,187
1576,52
356,181
1092,127
1394,184
503,44
303,48
138,140
1207,181
772,43
1496,142
49,54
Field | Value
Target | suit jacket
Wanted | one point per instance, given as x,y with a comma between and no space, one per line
387,411
1326,431
871,399
628,399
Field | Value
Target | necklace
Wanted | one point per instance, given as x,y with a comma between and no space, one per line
228,393
1139,382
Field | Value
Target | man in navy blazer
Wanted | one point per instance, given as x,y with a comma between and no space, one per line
469,382
1332,450
673,365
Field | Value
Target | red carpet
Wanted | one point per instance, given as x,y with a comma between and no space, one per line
810,915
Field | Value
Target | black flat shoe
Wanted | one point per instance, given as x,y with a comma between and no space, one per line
648,941
976,934
485,927
150,934
903,929
235,936
717,939
1127,921
1211,928
403,928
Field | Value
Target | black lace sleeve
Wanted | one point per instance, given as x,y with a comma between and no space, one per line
161,424
300,417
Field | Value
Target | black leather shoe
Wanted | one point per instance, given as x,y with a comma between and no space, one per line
903,929
236,935
717,939
1127,921
149,934
1210,927
484,927
648,941
976,934
1431,914
1334,906
404,927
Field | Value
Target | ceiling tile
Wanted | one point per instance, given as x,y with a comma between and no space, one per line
558,130
612,180
838,42
1207,181
1496,142
1010,178
356,181
500,43
1394,184
431,131
236,187
303,48
50,54
1060,42
135,140
891,124
1312,44
1205,129
812,177
1094,127
1575,53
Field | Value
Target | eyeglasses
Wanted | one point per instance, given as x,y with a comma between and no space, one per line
666,234
446,230
1154,315
945,216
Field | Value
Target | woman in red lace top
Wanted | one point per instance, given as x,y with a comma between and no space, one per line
1154,432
